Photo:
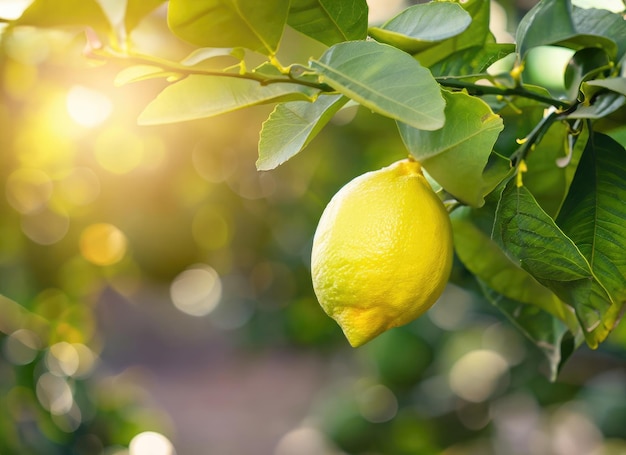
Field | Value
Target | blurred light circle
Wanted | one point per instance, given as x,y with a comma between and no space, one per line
103,244
21,347
62,359
197,291
80,186
45,227
476,375
150,443
118,150
88,107
86,360
28,190
54,394
303,441
377,403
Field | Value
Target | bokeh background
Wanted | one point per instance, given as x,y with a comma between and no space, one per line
155,294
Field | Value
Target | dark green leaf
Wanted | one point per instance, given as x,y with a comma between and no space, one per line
360,70
291,126
136,10
604,25
594,215
533,239
480,254
205,96
456,155
251,24
422,26
474,60
548,22
584,64
329,21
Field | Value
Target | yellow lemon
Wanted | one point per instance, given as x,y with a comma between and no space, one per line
382,251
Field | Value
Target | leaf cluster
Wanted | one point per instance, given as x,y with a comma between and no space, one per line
534,173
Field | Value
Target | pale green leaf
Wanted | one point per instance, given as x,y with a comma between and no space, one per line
422,26
615,84
137,10
457,154
205,96
329,21
60,13
477,34
138,73
255,25
361,71
291,126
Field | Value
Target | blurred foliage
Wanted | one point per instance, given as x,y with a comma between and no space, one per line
93,204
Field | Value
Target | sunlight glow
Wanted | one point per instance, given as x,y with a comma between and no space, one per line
12,9
88,107
103,244
197,291
150,443
476,375
28,190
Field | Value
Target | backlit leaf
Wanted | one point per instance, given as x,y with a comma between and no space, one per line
291,126
205,96
457,154
360,71
422,26
255,25
329,21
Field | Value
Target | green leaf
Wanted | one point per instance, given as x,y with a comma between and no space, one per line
329,21
601,106
548,22
584,64
291,126
594,216
477,34
138,73
360,70
474,60
555,22
61,13
615,84
548,333
255,25
137,10
533,239
204,96
457,154
422,26
551,165
604,25
480,254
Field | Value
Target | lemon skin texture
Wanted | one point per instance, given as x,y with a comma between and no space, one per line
382,251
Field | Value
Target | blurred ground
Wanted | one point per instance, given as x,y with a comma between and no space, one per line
221,399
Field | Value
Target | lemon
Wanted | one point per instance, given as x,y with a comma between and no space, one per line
382,251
